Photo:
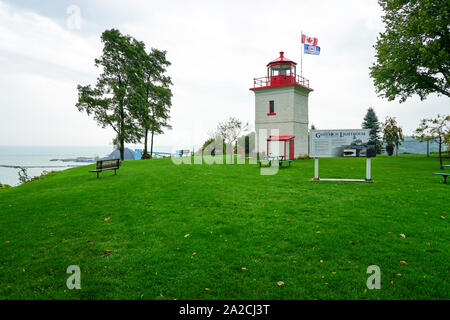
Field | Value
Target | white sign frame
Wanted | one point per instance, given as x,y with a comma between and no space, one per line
341,143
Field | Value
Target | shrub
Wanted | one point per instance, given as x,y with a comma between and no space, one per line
25,178
4,186
390,149
304,157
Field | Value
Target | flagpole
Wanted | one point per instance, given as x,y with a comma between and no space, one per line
301,57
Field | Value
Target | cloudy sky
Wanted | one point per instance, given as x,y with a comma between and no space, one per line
216,49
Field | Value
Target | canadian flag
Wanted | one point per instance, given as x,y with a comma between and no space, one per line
309,40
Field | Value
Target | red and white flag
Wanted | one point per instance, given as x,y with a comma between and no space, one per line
309,40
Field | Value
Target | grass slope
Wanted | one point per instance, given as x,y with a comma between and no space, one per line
227,232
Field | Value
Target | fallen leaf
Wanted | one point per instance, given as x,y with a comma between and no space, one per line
186,235
333,272
392,281
244,268
399,275
402,235
321,261
107,252
352,243
403,262
442,217
280,283
317,232
288,218
194,253
107,219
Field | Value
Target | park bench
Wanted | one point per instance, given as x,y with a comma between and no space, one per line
108,164
445,166
445,175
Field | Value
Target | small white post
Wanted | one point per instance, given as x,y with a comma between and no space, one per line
316,168
368,169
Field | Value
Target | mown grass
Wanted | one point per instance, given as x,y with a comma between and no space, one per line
227,232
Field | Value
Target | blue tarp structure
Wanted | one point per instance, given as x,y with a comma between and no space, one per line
127,155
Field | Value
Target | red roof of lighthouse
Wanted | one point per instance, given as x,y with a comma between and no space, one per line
281,60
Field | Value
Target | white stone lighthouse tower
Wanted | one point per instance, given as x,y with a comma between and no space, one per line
281,102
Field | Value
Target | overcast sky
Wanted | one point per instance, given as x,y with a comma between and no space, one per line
216,49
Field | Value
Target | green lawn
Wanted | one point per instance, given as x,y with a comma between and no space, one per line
227,232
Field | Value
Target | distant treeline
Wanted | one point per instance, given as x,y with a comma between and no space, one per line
411,145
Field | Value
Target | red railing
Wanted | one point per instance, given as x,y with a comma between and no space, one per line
281,80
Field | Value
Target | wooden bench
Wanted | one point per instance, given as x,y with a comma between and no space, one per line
108,164
445,166
445,175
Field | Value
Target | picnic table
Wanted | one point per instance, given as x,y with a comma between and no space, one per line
273,159
445,175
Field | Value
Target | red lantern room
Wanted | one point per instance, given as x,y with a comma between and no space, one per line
280,72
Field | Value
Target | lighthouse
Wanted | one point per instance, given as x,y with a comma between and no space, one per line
281,105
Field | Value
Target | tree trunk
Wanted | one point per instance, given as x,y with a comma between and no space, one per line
122,149
121,139
440,151
151,145
145,143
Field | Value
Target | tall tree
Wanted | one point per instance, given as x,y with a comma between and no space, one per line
371,122
154,112
231,129
392,134
110,101
413,53
437,129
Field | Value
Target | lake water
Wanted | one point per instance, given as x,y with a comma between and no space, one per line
41,156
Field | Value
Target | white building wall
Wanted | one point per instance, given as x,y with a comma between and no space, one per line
291,108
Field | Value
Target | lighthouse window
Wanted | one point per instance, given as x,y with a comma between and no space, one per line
285,70
275,70
271,106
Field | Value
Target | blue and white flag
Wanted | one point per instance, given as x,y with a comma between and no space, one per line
309,49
